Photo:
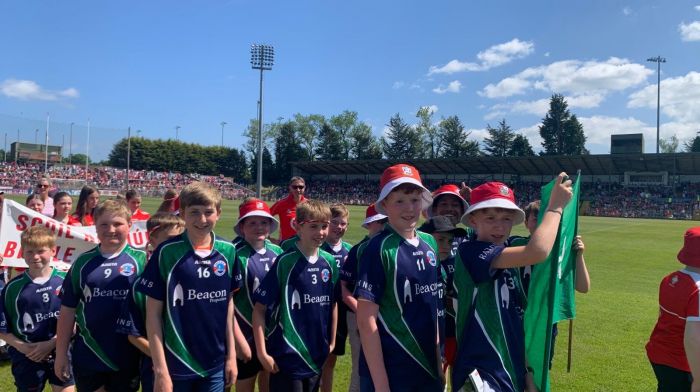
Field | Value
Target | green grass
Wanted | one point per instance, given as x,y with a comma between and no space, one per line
626,258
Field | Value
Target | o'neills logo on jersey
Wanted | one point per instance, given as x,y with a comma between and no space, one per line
89,294
180,296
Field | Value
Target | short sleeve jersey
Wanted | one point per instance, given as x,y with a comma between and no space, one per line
448,265
403,280
195,291
254,266
97,287
300,297
491,305
287,210
456,241
29,310
678,304
348,272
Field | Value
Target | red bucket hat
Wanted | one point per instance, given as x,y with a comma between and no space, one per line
371,215
493,195
396,175
447,189
255,207
690,253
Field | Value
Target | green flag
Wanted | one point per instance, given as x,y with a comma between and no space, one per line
551,293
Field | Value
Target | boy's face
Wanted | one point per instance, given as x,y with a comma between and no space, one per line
64,206
161,236
531,222
492,224
255,228
134,204
449,206
337,229
92,200
38,257
444,242
112,231
403,209
36,205
200,220
312,233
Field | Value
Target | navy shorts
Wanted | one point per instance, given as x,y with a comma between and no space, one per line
280,382
124,380
32,376
341,332
248,369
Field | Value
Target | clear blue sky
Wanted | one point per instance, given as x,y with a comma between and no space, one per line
153,65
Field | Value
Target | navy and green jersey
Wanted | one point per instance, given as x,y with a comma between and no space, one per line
97,286
404,280
238,241
456,241
348,272
526,271
195,291
29,310
300,295
341,255
449,299
289,242
491,304
254,266
132,322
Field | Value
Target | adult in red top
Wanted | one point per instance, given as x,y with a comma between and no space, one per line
287,208
674,345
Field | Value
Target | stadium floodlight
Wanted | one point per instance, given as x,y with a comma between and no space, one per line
262,57
70,145
222,132
177,132
658,60
46,147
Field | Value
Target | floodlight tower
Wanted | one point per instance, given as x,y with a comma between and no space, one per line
262,57
223,123
658,60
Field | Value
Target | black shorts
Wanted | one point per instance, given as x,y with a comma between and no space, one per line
341,333
280,382
32,376
248,369
124,380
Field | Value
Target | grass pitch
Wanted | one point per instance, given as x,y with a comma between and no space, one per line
626,259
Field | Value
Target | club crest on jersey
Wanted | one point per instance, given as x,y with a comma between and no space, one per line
127,269
431,258
219,268
325,275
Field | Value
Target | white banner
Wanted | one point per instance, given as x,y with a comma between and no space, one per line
71,241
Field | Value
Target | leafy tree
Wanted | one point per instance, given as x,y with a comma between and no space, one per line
343,124
561,132
454,139
268,167
520,147
692,145
78,159
330,144
288,148
251,135
500,139
429,131
669,145
308,128
401,140
363,145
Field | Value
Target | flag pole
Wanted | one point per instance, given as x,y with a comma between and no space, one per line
571,340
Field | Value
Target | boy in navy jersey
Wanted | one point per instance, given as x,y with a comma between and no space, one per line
397,290
491,300
132,321
339,249
189,283
374,223
256,255
300,292
29,307
92,296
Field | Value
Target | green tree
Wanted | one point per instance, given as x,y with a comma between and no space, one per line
288,148
669,145
251,135
454,139
401,141
500,139
692,145
343,124
364,145
429,132
520,147
308,128
562,134
330,144
268,168
78,159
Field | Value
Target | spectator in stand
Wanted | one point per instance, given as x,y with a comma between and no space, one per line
287,207
63,204
42,189
87,201
35,203
133,201
171,202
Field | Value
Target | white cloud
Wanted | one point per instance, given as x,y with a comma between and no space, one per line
697,8
397,85
505,88
585,101
541,106
627,11
492,57
680,97
453,87
690,32
27,90
599,128
546,54
532,133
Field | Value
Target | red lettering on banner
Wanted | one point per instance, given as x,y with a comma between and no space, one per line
36,221
68,235
22,219
67,256
10,249
137,239
88,238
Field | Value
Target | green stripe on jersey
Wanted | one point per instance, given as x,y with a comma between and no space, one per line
12,293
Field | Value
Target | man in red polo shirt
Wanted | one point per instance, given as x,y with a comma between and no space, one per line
287,208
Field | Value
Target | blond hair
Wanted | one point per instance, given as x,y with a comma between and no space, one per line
313,210
113,207
38,237
339,210
163,221
199,194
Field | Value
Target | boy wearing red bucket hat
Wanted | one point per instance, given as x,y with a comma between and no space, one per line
490,335
255,255
674,345
397,290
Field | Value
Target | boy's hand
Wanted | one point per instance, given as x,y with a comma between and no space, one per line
561,193
465,191
530,383
268,363
579,245
230,371
61,367
41,350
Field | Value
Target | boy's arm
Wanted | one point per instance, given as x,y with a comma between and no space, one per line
347,296
140,343
542,239
18,344
243,351
691,342
154,327
371,344
230,366
334,326
583,280
64,332
266,360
